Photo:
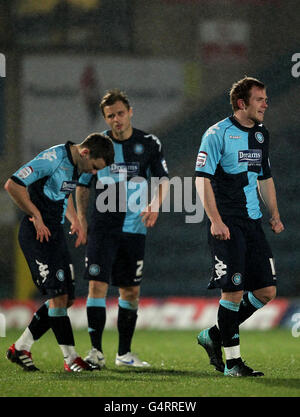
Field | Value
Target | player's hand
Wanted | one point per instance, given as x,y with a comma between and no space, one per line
276,225
42,231
76,228
220,231
149,216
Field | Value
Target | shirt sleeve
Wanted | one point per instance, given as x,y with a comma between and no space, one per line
265,172
43,165
209,155
85,180
158,164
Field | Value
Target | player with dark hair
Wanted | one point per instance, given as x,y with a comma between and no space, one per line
116,237
232,164
42,189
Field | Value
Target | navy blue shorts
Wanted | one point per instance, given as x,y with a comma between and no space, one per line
49,262
115,257
245,262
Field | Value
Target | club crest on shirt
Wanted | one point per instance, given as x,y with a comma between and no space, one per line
259,137
138,149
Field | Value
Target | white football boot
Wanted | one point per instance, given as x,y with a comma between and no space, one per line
130,359
95,358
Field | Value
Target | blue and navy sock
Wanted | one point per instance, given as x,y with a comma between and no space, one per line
61,325
248,306
127,317
96,316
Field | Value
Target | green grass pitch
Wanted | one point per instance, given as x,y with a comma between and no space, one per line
180,368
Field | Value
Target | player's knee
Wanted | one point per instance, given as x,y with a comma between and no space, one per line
234,297
130,294
129,305
97,289
265,295
59,302
269,296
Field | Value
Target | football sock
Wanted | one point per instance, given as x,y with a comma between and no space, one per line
62,329
69,353
127,317
248,306
96,316
38,326
214,334
228,314
40,322
25,341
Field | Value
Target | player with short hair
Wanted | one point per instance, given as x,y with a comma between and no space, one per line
116,236
232,164
42,189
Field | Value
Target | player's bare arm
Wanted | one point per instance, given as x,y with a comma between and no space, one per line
20,196
76,227
82,202
267,193
206,194
151,212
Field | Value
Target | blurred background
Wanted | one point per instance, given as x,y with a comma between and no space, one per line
177,60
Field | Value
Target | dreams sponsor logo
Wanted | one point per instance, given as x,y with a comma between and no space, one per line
250,156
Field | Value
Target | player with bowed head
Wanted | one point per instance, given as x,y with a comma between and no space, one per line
42,189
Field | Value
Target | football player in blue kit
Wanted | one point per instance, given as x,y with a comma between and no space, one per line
42,189
116,233
232,167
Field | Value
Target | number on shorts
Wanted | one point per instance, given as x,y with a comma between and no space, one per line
139,269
